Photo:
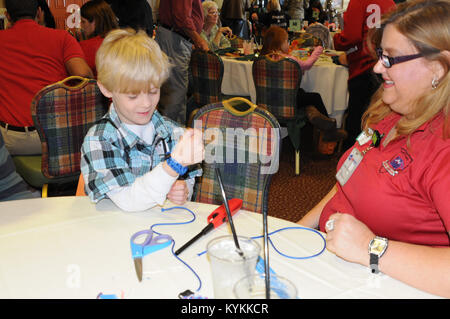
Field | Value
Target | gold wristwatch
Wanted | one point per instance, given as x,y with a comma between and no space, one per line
377,248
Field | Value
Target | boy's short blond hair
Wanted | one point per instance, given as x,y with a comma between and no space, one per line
129,61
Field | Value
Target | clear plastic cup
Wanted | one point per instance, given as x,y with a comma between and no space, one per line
228,266
254,287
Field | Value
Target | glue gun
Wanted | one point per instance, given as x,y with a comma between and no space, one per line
215,219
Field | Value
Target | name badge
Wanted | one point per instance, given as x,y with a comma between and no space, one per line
349,166
363,138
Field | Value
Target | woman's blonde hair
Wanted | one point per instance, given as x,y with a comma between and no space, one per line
208,5
273,5
129,61
426,23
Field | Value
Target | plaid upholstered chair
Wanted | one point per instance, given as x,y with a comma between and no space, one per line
207,74
277,81
243,141
62,113
236,42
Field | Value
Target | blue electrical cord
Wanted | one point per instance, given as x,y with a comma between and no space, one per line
255,237
297,227
173,241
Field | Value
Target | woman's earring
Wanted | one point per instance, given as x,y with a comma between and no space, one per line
434,82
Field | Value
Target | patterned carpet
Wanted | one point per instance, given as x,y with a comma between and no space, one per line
292,196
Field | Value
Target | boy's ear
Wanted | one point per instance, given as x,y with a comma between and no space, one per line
104,91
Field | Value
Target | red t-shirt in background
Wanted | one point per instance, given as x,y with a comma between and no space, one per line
182,14
413,205
360,14
33,57
90,48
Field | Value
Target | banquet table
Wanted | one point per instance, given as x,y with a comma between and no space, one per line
67,247
325,77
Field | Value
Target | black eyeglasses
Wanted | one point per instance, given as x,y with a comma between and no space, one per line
390,61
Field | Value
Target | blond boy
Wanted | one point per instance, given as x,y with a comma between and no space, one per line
135,156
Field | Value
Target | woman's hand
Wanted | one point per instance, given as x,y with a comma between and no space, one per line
226,30
178,193
349,238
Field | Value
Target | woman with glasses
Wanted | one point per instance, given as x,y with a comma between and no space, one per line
212,33
390,209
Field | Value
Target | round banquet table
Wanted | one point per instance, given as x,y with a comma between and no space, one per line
67,247
325,78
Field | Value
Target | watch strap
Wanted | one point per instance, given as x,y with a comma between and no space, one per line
374,264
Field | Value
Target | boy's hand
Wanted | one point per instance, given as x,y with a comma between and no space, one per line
178,193
189,149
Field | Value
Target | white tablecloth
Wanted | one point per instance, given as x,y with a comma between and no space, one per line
325,77
67,247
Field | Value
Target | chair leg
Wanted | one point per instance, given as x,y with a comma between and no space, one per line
44,190
341,142
297,162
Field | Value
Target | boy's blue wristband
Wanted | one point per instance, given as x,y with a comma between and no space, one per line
177,167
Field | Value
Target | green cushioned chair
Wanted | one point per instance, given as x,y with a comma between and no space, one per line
62,113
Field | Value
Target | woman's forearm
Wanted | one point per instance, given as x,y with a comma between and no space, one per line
424,267
311,219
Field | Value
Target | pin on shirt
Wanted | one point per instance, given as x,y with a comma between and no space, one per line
354,159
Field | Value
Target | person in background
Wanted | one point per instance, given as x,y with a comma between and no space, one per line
276,41
359,18
12,186
256,10
134,156
44,16
274,16
97,19
211,31
33,57
315,13
180,25
233,16
389,209
296,9
154,4
136,14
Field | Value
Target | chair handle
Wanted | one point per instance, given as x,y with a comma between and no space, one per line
270,56
83,82
228,105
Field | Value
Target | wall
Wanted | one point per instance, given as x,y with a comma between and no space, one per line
58,8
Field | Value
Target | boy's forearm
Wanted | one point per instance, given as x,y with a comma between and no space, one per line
146,192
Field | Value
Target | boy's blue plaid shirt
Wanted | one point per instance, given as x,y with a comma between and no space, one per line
114,157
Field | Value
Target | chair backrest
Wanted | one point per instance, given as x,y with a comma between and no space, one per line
243,141
236,42
277,81
207,75
80,187
322,33
62,114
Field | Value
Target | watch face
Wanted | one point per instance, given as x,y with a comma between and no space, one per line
377,246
